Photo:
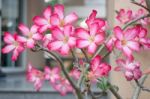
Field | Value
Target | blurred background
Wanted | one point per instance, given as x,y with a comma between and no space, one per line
13,84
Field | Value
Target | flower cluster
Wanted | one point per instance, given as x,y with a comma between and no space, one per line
56,33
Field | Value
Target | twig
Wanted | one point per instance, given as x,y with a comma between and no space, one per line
138,89
77,90
85,55
130,23
114,91
141,86
138,4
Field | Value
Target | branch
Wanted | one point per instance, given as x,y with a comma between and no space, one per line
114,91
138,4
138,89
85,55
132,22
141,85
77,90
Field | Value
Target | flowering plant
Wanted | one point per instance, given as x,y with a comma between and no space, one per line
56,34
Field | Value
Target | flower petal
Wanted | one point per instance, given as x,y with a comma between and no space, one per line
71,18
8,48
82,43
65,49
40,21
133,45
131,34
59,10
24,29
92,48
118,33
93,29
47,12
8,38
128,53
55,45
30,43
82,33
57,33
55,21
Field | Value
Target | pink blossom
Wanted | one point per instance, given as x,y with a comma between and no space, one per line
52,74
44,22
131,69
126,41
90,39
58,19
110,43
92,19
31,35
35,76
98,69
75,73
47,39
63,86
124,16
63,40
13,44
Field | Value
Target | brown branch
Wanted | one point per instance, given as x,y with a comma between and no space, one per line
141,86
132,22
138,4
138,89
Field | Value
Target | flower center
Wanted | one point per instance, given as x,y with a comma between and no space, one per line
66,38
30,35
123,42
62,22
15,43
91,39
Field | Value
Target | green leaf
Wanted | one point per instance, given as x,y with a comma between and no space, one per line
103,84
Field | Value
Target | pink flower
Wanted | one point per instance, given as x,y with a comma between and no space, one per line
75,73
98,69
90,39
31,35
92,19
58,19
124,16
52,74
35,76
63,40
44,22
63,86
47,39
13,44
126,41
131,69
110,43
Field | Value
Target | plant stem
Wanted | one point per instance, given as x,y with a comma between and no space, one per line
132,22
138,89
114,91
85,55
77,90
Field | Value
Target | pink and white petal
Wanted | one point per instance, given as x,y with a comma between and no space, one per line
131,34
59,10
99,39
92,48
57,33
82,43
133,45
68,29
93,29
96,62
40,21
21,39
20,48
30,43
8,48
143,33
37,36
47,12
100,22
65,49
129,75
121,63
8,38
72,41
82,33
55,21
118,33
43,28
14,55
55,45
118,44
69,19
34,29
24,29
127,51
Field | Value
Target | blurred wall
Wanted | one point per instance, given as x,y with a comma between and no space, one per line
117,78
34,7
